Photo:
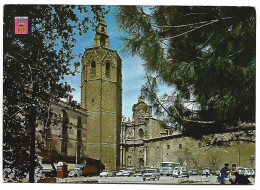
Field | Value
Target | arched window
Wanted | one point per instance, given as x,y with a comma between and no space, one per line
93,69
107,72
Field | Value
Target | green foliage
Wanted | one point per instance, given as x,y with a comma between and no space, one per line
42,59
205,54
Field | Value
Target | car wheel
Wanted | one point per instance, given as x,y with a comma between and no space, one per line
143,179
75,175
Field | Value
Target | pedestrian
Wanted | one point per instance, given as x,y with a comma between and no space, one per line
223,173
207,172
234,169
241,180
179,172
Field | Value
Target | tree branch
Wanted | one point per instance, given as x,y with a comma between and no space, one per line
169,113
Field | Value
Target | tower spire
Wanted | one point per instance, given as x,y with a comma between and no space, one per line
101,37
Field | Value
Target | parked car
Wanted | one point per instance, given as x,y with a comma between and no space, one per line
177,172
127,173
241,170
139,173
75,173
194,172
131,171
106,173
247,172
217,172
185,174
120,173
252,172
114,172
49,170
205,171
152,173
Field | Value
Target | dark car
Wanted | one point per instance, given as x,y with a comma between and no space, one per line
185,174
139,173
194,172
114,172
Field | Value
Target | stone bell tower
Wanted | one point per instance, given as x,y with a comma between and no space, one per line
101,95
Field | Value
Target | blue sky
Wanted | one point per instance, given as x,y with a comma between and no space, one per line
132,71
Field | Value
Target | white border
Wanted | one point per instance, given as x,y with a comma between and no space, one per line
254,3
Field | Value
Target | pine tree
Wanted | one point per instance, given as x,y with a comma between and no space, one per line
206,55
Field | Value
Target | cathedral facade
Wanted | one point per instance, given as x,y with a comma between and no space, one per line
146,142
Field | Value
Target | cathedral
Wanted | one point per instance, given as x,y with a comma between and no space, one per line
96,128
146,142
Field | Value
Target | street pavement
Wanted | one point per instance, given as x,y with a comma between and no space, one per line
139,180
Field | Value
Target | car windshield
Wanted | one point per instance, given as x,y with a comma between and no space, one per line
166,164
176,168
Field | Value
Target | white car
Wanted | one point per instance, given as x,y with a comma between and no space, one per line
106,173
126,173
75,173
252,172
247,172
241,170
151,174
177,172
120,173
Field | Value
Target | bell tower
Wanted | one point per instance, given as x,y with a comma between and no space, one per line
101,38
101,95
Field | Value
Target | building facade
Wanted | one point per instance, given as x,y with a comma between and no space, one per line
66,138
146,142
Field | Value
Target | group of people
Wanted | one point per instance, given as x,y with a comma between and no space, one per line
232,175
